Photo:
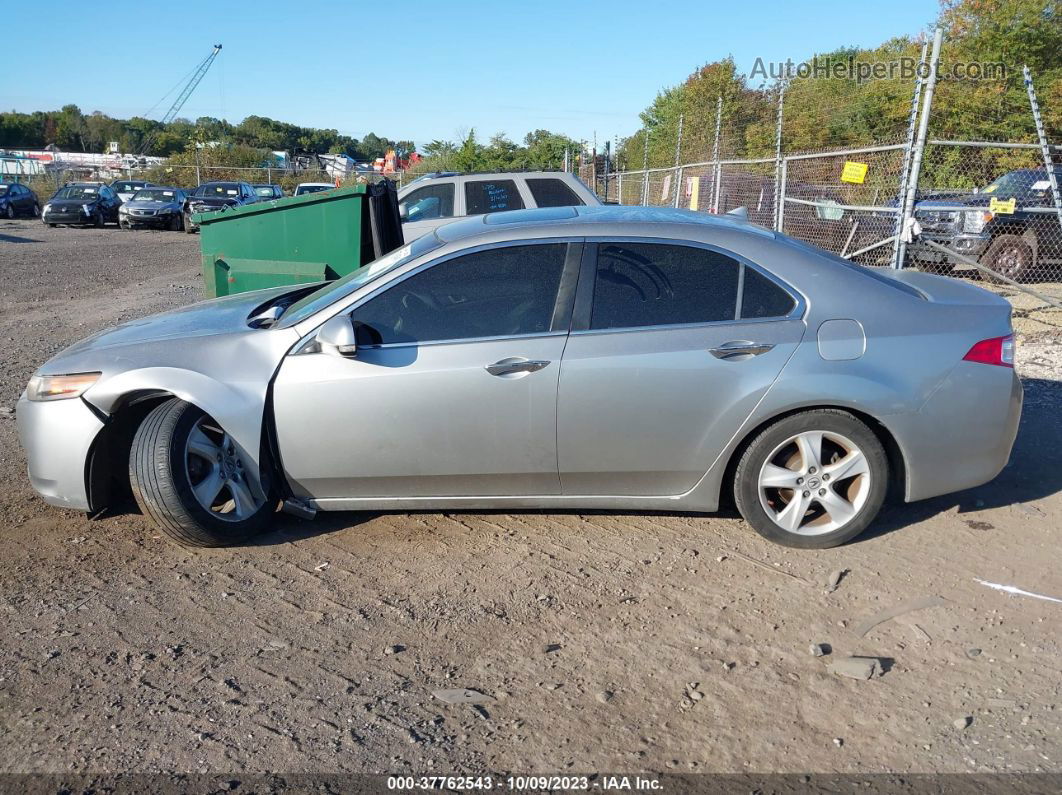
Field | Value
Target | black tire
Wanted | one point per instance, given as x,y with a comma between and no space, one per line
1010,256
162,486
36,210
53,225
123,224
175,222
10,212
752,461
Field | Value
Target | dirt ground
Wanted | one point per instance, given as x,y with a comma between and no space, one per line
608,641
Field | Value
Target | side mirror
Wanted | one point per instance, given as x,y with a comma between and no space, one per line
337,337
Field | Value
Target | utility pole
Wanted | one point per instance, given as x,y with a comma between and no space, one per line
1044,148
779,185
716,170
678,169
912,124
645,169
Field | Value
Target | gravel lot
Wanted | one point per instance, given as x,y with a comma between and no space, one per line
608,641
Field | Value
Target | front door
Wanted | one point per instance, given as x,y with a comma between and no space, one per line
664,365
426,208
452,391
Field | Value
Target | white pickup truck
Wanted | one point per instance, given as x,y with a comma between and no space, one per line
436,199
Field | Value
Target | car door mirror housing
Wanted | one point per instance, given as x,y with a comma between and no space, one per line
337,337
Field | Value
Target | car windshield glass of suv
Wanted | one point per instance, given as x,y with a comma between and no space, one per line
220,189
265,190
77,192
1016,183
311,189
316,301
127,187
3,190
153,195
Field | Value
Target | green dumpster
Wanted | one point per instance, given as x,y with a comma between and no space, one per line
298,240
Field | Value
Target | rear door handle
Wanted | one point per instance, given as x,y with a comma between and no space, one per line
516,365
740,349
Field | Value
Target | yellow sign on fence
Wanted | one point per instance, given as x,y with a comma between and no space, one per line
854,172
1002,206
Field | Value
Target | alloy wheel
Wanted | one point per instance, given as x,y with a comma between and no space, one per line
218,473
814,483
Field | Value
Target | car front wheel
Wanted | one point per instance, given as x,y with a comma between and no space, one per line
193,480
812,480
1009,256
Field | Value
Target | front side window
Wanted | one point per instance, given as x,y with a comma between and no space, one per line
653,284
550,192
497,292
431,201
491,196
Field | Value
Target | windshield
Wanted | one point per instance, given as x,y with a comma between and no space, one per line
333,291
3,190
311,189
264,190
155,195
127,187
77,192
1015,183
218,189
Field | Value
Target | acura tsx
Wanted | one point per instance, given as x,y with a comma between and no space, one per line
620,358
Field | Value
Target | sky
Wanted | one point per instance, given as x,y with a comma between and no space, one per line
417,70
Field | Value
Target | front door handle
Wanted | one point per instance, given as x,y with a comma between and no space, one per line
516,365
740,349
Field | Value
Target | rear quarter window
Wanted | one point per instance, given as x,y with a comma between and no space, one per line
549,192
761,298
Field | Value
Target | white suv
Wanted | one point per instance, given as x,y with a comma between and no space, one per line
436,199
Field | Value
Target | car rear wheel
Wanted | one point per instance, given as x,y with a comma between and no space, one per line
36,210
1009,256
812,480
190,477
175,222
97,220
10,212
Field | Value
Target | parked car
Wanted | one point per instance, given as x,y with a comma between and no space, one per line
268,192
436,199
1011,244
157,207
126,188
621,358
82,204
312,187
16,200
212,196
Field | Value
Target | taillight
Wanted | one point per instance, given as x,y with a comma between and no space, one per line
998,351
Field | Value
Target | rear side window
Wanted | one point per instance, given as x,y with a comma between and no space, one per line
553,193
491,196
763,298
431,201
650,284
498,292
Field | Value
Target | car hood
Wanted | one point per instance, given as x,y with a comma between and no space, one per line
226,315
71,202
145,204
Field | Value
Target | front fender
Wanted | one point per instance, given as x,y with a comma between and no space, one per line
239,408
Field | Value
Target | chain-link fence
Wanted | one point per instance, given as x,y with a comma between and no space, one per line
989,211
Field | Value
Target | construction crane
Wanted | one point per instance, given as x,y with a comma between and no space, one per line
175,108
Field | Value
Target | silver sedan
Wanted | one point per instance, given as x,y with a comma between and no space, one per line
610,357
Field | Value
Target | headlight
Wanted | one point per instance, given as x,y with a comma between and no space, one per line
60,387
975,221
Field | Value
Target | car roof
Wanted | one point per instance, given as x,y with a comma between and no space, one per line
603,220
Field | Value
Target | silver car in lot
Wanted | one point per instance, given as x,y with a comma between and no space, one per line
593,357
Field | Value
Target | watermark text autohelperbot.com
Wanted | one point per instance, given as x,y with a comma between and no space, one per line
851,68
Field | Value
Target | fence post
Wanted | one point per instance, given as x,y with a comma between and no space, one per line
919,147
716,171
779,194
780,227
619,187
608,156
901,196
1044,148
678,156
645,170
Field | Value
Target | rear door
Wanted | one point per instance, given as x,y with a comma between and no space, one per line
672,346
